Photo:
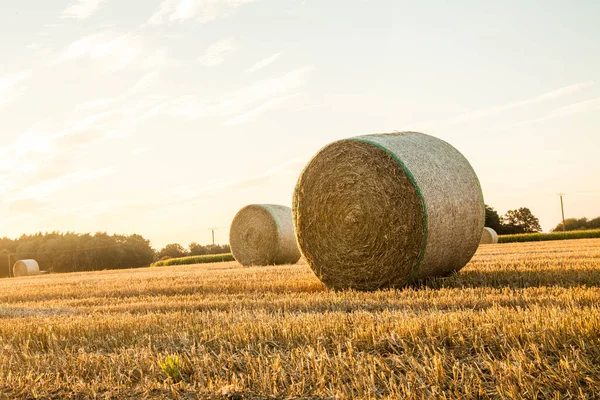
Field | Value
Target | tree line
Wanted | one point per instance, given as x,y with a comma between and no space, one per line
73,252
520,220
175,250
578,224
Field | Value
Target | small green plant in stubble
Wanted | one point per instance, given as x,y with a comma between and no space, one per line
172,367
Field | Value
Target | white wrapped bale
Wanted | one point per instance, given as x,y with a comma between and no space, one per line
26,268
489,236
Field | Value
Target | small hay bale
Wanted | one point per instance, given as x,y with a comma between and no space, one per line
26,268
379,211
263,234
489,236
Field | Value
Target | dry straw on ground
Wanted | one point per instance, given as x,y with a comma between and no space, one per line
489,236
521,320
381,210
26,268
263,234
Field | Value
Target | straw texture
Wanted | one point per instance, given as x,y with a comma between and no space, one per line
489,236
26,268
263,234
379,211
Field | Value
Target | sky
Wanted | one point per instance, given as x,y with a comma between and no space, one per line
165,117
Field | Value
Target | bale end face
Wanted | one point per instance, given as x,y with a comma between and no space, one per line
351,207
262,234
378,211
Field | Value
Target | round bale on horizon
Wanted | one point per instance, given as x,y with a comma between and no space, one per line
380,211
489,236
263,234
26,268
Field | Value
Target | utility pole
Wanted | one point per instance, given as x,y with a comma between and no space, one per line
213,234
562,209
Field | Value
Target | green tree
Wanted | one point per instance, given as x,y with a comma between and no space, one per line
572,224
492,219
594,223
522,220
196,249
576,224
135,250
173,250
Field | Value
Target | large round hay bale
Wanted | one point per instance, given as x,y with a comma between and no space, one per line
382,210
26,268
489,236
263,234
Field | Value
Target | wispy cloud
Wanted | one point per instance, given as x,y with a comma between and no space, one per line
289,168
142,84
215,53
263,89
177,196
91,210
48,167
48,158
249,101
45,188
476,114
52,149
192,193
29,145
250,115
115,51
579,107
172,11
81,9
565,111
263,63
9,83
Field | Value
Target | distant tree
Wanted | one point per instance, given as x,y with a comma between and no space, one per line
522,220
492,219
135,250
69,252
196,249
594,223
576,224
173,250
218,249
8,244
572,224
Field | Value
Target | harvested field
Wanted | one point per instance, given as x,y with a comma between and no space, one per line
521,320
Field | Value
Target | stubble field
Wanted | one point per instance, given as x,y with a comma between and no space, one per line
520,321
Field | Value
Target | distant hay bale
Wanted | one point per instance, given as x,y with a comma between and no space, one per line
263,234
489,236
382,210
26,268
